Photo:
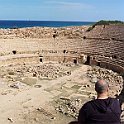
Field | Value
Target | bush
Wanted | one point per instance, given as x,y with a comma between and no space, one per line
103,22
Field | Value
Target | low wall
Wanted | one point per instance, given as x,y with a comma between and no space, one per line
114,67
74,58
36,58
64,58
18,59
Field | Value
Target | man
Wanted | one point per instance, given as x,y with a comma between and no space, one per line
103,110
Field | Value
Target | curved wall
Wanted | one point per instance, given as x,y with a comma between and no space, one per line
102,46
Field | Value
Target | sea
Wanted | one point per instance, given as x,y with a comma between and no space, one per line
24,24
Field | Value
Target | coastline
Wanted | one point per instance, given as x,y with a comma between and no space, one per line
53,24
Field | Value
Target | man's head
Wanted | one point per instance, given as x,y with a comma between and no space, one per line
101,86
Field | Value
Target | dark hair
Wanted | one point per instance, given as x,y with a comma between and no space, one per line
101,86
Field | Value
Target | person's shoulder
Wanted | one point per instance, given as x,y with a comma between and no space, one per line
113,99
87,104
115,102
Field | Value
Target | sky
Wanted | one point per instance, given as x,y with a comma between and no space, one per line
62,10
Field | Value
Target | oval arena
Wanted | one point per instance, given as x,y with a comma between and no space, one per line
47,73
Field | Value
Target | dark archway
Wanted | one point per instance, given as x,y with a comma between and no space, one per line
14,51
84,37
41,60
75,61
98,64
54,36
88,60
64,51
114,56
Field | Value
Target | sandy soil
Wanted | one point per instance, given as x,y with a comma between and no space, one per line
38,102
46,93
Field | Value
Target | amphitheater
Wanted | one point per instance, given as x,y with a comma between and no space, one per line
46,74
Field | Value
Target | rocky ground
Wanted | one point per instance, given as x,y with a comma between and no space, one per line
43,32
49,93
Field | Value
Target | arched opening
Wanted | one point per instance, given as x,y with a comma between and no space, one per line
98,64
54,36
14,51
75,61
64,51
41,60
84,37
88,60
114,56
113,38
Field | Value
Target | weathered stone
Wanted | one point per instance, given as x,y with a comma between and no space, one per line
18,85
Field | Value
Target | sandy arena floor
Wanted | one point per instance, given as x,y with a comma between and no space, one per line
54,98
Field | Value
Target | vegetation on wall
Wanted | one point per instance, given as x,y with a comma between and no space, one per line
104,22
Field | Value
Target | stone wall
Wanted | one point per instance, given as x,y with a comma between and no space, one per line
109,65
18,59
67,46
36,58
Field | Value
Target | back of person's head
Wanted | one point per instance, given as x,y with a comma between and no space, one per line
101,86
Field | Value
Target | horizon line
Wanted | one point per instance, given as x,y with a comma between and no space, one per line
46,20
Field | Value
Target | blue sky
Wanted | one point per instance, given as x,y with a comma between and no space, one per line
62,10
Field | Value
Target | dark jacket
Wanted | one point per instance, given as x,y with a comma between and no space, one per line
100,111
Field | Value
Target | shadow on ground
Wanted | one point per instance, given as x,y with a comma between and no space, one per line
73,122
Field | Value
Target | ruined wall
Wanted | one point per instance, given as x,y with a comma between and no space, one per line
13,60
36,58
64,58
69,45
104,45
108,65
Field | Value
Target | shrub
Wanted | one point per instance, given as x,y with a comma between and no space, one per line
104,22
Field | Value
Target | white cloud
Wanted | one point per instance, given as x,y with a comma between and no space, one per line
67,10
70,4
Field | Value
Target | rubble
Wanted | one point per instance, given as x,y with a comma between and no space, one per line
69,107
43,71
114,79
18,85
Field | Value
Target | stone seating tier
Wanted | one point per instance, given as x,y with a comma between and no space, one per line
107,31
